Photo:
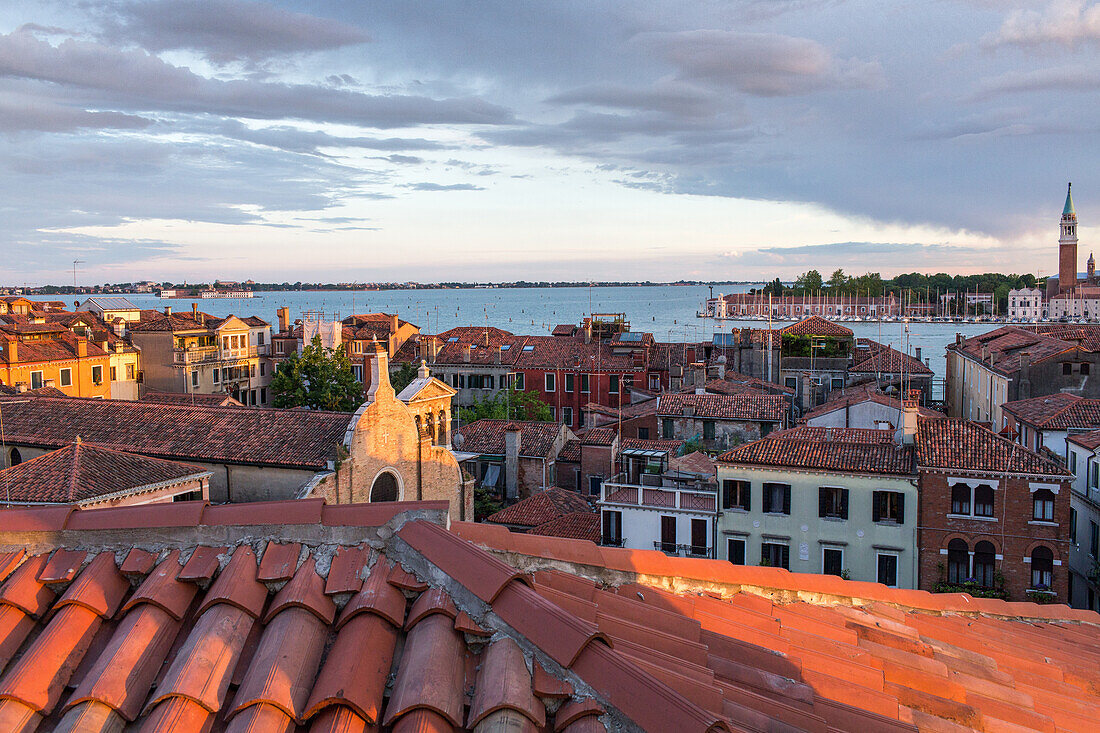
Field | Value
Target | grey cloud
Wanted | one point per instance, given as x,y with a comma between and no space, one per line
296,140
444,187
404,159
763,64
675,98
1068,78
224,30
20,114
139,81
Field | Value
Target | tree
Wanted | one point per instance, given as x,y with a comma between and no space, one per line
508,404
809,282
318,378
775,288
403,376
837,280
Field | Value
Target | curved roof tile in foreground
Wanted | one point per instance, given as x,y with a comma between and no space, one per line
388,619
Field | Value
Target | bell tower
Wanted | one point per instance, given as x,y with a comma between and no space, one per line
1067,245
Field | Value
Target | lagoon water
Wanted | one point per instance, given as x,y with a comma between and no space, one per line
666,311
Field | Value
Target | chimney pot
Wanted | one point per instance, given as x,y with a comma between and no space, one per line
167,310
81,346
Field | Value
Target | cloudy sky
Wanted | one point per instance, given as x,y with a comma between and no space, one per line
363,141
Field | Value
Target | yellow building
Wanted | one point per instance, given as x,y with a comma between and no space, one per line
66,361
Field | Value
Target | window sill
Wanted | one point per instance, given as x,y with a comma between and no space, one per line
736,509
972,517
889,523
776,514
833,519
1042,523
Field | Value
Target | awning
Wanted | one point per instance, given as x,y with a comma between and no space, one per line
461,456
492,475
640,453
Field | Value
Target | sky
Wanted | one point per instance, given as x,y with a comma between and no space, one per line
188,140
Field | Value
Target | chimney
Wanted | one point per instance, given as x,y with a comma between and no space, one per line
466,353
379,371
119,327
195,312
423,372
916,352
511,460
118,347
393,323
958,338
907,433
283,316
167,310
496,355
985,353
105,345
699,377
81,346
13,350
1024,391
807,392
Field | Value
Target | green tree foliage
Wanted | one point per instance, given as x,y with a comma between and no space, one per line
838,280
809,282
485,504
509,404
403,376
775,287
318,378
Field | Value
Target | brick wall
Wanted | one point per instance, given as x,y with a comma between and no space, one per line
1014,534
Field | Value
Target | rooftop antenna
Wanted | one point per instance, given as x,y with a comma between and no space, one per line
75,263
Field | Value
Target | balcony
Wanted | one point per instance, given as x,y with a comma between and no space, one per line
210,354
675,550
656,492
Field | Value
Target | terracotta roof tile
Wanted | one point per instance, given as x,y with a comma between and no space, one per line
84,472
816,326
280,561
504,683
1059,411
487,436
202,564
306,591
751,407
541,507
850,656
431,673
138,562
855,450
964,445
345,574
62,566
252,435
575,525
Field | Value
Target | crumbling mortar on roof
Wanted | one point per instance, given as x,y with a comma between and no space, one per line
398,550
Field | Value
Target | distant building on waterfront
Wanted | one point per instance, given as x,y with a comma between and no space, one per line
758,305
1026,304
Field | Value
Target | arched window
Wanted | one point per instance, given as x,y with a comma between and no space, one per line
1043,505
985,557
958,561
960,499
1042,568
983,501
385,488
16,457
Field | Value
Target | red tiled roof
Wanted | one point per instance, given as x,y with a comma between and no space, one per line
62,347
881,358
816,326
697,462
487,436
541,352
541,507
499,350
866,392
575,525
962,445
571,451
1086,335
650,444
755,407
1090,440
244,435
83,472
423,632
777,650
599,436
1006,344
848,450
564,329
1059,411
475,334
183,321
192,398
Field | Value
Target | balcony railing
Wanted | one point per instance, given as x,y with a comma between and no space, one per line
208,354
667,496
671,548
